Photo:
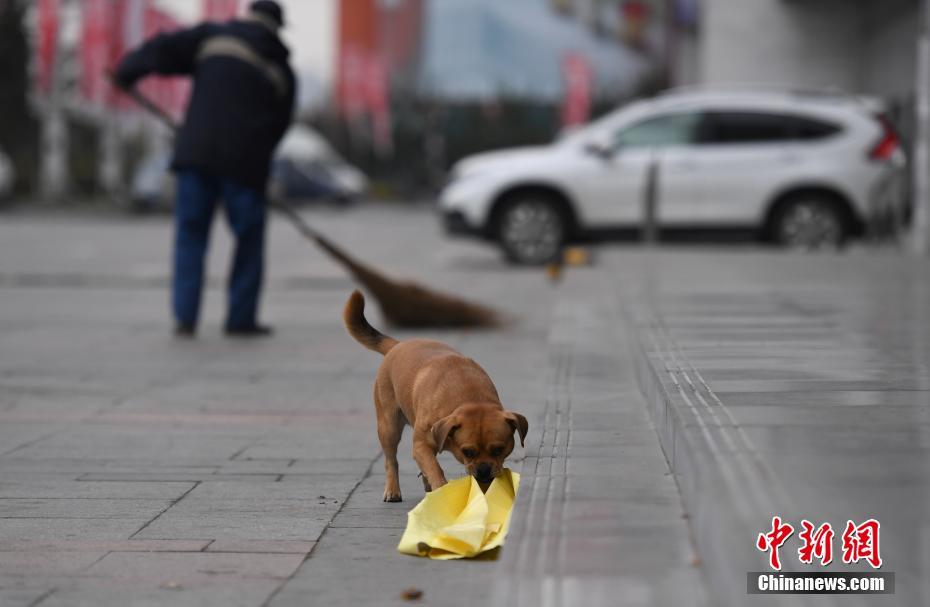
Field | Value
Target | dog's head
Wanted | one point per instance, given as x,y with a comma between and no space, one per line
480,436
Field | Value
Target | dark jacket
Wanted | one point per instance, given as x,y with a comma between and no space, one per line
242,99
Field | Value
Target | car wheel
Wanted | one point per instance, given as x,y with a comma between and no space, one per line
531,229
809,222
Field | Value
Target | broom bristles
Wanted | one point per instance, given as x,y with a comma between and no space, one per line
408,304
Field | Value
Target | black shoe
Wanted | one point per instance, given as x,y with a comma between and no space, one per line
186,331
249,331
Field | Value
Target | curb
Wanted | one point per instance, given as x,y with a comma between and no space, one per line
729,491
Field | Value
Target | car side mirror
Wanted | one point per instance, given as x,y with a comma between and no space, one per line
600,150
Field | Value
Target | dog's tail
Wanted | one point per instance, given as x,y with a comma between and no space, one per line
354,317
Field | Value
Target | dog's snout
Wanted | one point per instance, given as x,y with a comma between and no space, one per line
483,472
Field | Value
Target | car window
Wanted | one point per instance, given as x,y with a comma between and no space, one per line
659,131
761,127
808,128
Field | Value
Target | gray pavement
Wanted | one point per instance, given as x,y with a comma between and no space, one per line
136,469
677,399
791,385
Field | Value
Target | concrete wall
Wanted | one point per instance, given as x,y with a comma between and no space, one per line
686,68
890,50
812,43
867,46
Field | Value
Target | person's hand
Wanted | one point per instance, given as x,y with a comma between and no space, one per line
120,82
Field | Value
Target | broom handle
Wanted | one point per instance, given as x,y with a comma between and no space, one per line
153,108
150,106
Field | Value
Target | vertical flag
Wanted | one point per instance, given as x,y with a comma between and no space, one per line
94,51
46,44
125,30
362,70
169,93
578,77
377,100
357,40
220,10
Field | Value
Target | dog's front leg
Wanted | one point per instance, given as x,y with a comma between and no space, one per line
425,458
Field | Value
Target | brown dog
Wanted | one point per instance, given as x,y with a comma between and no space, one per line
447,398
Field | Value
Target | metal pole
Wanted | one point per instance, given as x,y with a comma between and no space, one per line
651,201
921,164
54,139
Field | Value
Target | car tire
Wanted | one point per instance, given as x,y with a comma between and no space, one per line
531,228
810,221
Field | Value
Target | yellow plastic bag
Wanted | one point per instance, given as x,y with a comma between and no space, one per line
459,521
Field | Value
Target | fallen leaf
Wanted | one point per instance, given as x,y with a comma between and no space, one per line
412,594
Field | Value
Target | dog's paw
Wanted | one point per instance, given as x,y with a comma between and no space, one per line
392,497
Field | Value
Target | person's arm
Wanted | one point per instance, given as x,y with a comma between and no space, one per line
285,111
172,54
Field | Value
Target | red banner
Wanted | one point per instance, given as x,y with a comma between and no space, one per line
94,51
358,38
46,43
169,93
110,29
125,31
363,71
579,81
220,10
377,99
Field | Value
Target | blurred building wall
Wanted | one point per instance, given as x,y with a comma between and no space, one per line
860,46
866,46
814,43
891,35
685,62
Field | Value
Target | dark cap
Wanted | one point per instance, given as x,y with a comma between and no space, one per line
269,8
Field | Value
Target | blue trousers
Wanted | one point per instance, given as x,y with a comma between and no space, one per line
245,211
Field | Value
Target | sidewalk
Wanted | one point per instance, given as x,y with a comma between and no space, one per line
138,469
790,385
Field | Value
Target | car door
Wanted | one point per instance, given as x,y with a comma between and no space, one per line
614,181
743,157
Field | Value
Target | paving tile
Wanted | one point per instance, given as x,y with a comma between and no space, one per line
39,564
193,567
66,529
103,546
379,517
97,592
23,597
261,546
380,574
190,477
40,488
107,508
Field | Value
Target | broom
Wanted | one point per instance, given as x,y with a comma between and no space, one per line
404,304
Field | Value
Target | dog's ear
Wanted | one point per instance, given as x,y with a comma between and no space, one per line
517,423
442,430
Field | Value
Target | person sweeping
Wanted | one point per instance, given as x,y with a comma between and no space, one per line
240,108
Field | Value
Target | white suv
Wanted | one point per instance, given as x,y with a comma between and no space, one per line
801,169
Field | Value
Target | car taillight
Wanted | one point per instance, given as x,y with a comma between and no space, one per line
888,144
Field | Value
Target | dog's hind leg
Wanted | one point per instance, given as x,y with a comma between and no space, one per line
390,428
